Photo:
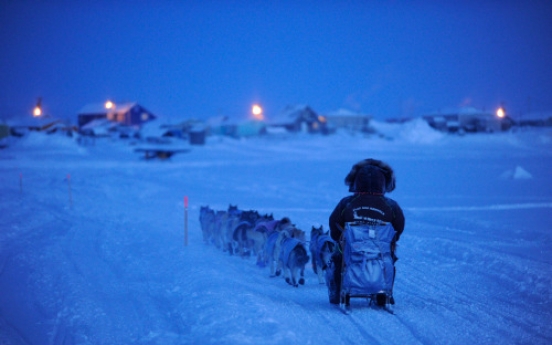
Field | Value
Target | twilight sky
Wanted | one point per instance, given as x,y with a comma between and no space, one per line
183,59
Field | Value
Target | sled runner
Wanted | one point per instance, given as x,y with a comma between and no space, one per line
368,267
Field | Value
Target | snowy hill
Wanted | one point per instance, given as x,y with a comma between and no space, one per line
92,240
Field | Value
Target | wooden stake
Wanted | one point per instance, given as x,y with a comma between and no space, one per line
185,220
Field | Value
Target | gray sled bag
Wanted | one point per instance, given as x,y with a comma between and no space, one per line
368,267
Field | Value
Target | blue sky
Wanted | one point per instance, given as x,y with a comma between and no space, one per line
183,59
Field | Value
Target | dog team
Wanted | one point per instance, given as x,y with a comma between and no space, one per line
277,243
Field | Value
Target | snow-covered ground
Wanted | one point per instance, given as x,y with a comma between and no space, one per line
92,240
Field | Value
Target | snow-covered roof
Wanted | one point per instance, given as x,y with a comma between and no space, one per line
459,111
291,113
345,113
152,129
32,121
99,123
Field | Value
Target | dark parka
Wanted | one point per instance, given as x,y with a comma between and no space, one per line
369,180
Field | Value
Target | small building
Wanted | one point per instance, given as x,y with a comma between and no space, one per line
299,118
219,125
467,119
181,129
197,134
346,119
250,128
224,125
130,114
100,127
4,135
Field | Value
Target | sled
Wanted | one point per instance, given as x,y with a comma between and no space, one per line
368,269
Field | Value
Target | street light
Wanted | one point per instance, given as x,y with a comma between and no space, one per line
37,111
500,112
110,106
257,112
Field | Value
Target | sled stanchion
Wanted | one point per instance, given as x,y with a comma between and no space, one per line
185,220
69,187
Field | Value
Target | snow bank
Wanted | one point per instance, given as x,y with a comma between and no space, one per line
49,142
518,173
415,131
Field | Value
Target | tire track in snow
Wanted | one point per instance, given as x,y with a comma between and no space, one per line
498,207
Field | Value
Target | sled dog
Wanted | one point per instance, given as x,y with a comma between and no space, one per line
233,219
321,248
207,222
259,235
274,242
293,258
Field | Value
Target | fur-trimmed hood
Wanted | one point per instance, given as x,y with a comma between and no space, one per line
371,176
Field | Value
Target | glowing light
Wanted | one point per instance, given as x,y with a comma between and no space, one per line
37,111
257,112
109,105
500,112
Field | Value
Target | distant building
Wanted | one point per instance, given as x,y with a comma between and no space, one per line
299,118
535,119
347,119
4,135
467,119
130,114
21,126
224,125
100,127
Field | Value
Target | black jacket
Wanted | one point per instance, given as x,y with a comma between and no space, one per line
369,180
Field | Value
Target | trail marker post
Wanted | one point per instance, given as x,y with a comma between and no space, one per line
69,186
185,220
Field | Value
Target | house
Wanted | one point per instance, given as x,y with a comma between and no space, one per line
467,119
349,120
181,129
100,127
224,125
219,125
299,118
130,114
